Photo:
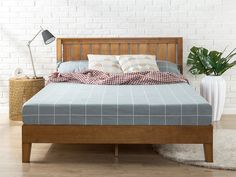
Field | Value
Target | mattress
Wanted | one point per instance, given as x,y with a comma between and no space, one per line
81,104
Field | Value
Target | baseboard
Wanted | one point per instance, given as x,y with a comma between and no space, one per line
229,111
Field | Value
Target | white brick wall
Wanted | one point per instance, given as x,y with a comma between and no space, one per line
205,23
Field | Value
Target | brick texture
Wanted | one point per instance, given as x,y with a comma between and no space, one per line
202,23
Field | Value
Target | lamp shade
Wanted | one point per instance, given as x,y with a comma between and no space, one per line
47,37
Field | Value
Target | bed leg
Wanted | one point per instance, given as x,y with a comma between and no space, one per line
208,152
26,150
116,150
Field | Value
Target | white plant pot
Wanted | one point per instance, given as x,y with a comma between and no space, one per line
213,89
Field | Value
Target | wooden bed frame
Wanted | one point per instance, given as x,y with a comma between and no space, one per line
77,49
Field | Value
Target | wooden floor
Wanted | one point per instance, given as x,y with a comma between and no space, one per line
93,160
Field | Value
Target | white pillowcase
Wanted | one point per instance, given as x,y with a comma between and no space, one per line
137,63
104,63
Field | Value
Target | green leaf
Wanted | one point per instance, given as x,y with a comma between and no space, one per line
228,66
230,53
204,62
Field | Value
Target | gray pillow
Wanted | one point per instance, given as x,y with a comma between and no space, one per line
72,66
165,66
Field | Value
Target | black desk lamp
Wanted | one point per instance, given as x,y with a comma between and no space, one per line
47,38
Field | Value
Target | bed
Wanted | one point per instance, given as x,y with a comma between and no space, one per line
117,114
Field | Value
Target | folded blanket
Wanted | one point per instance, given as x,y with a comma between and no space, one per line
100,78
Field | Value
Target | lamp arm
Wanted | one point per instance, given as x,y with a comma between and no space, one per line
29,42
32,61
31,56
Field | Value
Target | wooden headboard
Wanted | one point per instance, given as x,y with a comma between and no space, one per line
72,49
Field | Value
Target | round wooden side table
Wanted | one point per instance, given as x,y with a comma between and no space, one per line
21,90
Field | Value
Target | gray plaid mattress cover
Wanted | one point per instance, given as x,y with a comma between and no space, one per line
69,103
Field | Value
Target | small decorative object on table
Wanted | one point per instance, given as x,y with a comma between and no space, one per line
213,85
21,90
18,73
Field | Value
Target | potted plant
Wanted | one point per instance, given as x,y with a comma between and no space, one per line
213,86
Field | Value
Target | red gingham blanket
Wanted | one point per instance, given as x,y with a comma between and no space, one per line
100,78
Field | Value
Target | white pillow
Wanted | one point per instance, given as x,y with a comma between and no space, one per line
138,63
105,63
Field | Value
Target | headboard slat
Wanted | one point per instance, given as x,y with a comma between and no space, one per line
172,53
134,48
124,48
105,49
152,49
143,48
161,51
170,49
95,48
85,51
115,49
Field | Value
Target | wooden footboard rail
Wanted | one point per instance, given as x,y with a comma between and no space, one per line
108,134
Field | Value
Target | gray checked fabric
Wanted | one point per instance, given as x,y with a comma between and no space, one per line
69,103
72,66
166,66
